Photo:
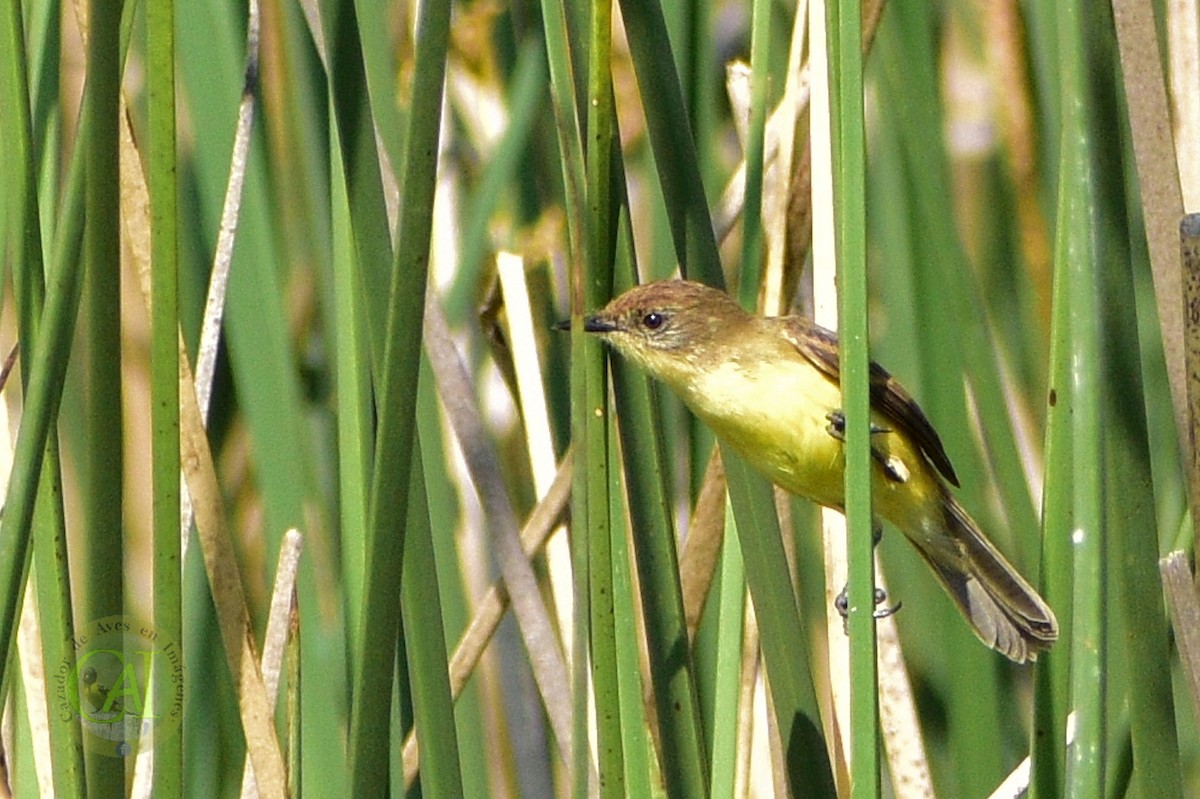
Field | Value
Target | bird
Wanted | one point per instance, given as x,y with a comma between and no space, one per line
98,694
769,388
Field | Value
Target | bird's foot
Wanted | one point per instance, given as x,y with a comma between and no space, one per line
842,603
893,467
837,425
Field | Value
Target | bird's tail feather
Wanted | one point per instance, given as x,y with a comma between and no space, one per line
1005,611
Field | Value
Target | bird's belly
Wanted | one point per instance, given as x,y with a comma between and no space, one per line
777,419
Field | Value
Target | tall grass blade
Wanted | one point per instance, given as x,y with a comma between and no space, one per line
672,138
396,394
48,364
162,171
425,638
1087,757
809,772
684,759
596,287
849,156
26,258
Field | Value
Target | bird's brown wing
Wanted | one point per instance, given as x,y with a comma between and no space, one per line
888,397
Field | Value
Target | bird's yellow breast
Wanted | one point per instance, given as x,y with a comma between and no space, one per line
774,413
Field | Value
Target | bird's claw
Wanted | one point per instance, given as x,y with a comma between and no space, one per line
893,467
837,425
890,610
842,604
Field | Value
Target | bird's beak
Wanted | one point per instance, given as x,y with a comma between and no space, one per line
591,324
598,324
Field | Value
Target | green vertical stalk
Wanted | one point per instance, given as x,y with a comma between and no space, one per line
752,228
354,411
591,467
1087,755
441,496
809,771
601,141
728,672
425,638
24,223
22,769
845,27
164,357
379,619
585,355
352,116
1152,716
21,221
698,62
638,744
37,52
1051,680
1089,668
102,538
684,760
671,136
566,122
46,357
58,630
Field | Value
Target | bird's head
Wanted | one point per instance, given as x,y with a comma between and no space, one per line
670,328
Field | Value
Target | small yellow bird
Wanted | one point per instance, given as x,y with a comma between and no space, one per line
97,693
769,388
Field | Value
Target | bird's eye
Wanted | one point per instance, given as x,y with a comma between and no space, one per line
653,320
